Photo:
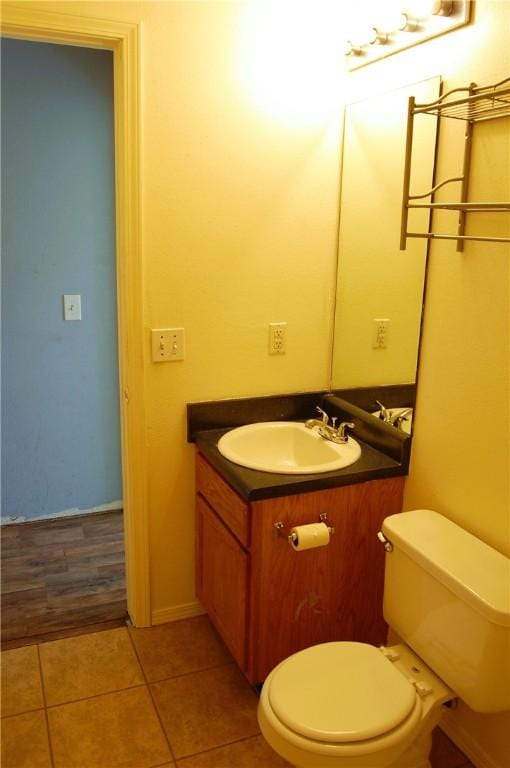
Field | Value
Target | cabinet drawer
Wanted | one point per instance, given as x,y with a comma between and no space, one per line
225,502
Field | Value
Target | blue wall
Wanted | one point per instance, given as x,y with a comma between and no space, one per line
60,406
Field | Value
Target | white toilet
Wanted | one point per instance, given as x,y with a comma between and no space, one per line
351,705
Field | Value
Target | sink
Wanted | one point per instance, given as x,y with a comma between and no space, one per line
286,447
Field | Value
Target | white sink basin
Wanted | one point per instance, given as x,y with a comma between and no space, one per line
286,447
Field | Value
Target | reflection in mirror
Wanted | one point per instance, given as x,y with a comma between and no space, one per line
379,294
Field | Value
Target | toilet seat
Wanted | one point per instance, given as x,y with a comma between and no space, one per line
353,693
304,738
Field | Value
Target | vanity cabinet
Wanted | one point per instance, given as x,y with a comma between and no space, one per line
268,600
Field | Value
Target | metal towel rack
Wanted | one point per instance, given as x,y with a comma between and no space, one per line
477,105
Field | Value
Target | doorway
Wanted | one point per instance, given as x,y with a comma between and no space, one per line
60,394
123,40
60,402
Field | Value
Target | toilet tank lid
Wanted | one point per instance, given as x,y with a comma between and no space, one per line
478,574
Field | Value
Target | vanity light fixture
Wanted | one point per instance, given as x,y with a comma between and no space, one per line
392,26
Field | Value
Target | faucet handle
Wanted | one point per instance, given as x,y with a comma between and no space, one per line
402,416
384,415
325,417
342,433
334,420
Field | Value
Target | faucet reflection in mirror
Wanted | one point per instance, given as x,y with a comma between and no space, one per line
382,28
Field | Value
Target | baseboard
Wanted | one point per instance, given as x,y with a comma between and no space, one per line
111,506
465,742
176,612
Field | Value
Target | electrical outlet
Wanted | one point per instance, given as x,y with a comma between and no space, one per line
167,344
277,338
380,332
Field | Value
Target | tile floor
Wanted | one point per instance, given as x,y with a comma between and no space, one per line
168,696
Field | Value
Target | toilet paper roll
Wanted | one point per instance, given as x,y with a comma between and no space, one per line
309,536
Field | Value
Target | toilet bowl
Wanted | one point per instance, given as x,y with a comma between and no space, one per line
351,705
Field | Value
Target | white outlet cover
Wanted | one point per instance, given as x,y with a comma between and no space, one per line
277,338
381,327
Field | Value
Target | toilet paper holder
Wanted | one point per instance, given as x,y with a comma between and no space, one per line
281,528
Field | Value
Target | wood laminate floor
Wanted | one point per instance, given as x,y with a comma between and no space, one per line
61,574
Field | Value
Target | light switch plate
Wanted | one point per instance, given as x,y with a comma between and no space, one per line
167,344
72,306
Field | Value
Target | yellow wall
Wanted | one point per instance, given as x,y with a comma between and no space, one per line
240,198
240,209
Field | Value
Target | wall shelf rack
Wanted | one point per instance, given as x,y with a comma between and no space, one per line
472,105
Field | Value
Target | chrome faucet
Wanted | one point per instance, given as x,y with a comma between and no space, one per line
389,416
330,431
402,416
310,423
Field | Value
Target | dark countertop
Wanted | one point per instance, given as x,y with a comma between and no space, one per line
253,485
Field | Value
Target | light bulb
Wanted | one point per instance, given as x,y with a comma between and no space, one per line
390,20
378,37
423,9
353,49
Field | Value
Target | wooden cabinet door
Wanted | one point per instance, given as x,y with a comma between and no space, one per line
329,593
222,579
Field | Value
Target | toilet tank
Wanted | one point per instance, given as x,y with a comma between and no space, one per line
447,595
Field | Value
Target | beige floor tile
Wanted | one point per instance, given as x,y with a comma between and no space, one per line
117,729
78,667
25,741
179,647
250,753
21,681
207,709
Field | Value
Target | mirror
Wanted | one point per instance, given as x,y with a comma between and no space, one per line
380,289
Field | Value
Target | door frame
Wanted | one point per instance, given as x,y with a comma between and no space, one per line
124,40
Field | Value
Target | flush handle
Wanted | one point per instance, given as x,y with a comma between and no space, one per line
388,546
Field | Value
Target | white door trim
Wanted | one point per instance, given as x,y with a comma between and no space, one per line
124,40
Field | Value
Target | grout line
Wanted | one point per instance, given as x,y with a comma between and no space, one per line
222,746
43,690
95,696
191,672
154,704
163,765
23,712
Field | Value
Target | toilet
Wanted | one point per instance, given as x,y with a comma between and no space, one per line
352,705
